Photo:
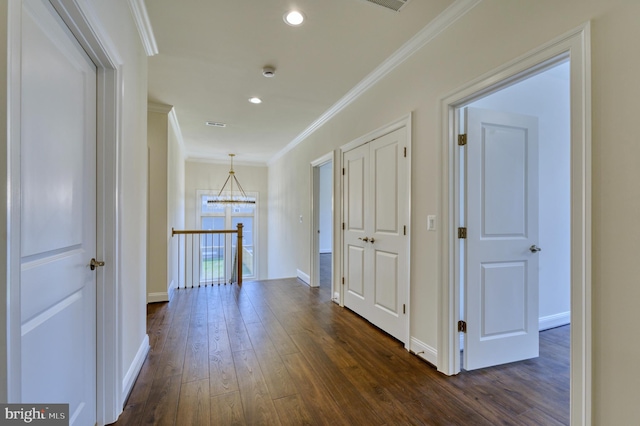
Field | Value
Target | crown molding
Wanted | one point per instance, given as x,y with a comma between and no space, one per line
159,107
141,18
173,120
170,111
450,15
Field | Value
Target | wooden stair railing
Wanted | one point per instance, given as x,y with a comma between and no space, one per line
189,258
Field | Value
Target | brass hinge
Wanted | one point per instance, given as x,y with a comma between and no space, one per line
462,139
405,152
342,280
343,171
405,230
342,225
404,308
462,327
462,233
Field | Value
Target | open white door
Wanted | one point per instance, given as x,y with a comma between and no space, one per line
58,220
376,213
501,289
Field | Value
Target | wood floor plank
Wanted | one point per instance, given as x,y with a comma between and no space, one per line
226,410
313,392
292,411
162,404
196,361
171,360
279,352
222,373
238,337
343,392
257,404
273,370
194,406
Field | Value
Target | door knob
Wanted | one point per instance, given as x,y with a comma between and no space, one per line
365,239
534,248
372,240
95,263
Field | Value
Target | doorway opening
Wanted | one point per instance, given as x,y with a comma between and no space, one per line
544,99
322,224
574,48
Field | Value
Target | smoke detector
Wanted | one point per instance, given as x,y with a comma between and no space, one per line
268,71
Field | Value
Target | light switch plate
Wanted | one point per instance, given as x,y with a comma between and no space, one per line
431,222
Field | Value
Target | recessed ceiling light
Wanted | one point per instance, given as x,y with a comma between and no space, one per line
255,100
215,124
294,18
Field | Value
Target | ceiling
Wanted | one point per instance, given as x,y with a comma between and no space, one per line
212,52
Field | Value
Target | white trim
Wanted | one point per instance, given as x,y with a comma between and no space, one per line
162,296
132,374
14,336
159,108
88,29
175,125
328,157
172,289
553,321
576,46
303,277
314,223
424,351
143,23
449,16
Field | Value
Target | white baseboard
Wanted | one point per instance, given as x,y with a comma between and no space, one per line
424,351
135,367
172,288
552,321
158,297
304,277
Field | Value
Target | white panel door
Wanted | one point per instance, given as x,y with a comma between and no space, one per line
357,218
502,234
376,247
58,221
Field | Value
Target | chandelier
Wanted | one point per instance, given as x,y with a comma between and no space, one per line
229,197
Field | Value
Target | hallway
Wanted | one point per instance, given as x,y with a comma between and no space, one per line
277,352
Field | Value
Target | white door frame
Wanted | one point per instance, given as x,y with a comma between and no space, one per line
575,46
110,396
314,280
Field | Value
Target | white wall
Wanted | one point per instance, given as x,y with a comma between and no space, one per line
211,176
166,200
120,33
157,241
176,197
546,96
490,35
326,208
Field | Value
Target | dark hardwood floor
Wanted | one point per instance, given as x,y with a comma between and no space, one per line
278,352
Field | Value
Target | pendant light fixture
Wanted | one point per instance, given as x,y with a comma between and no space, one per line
231,196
